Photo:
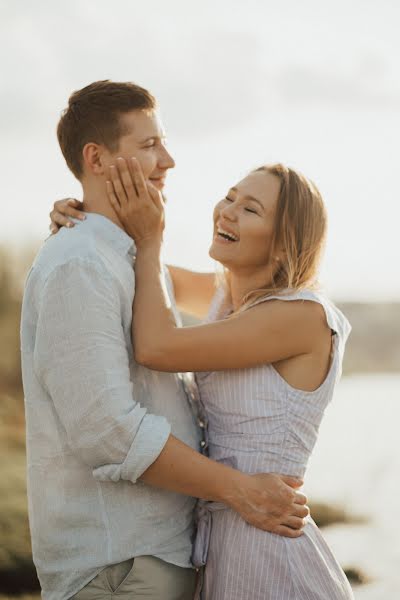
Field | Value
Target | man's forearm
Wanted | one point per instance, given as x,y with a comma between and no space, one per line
267,501
181,469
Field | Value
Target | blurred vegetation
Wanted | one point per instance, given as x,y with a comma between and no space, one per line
17,573
374,343
328,514
23,597
374,346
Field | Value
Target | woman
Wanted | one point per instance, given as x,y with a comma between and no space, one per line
267,361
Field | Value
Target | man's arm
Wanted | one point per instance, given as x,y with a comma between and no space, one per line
267,500
82,360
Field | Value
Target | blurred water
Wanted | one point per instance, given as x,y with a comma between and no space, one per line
356,464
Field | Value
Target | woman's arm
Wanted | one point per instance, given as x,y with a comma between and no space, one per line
62,212
193,291
266,333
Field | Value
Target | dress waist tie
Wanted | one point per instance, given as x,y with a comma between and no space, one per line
204,511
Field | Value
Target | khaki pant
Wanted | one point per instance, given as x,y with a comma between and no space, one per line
145,577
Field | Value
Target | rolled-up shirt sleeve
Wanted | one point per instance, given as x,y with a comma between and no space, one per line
82,361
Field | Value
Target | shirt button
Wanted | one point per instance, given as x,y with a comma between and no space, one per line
202,443
201,424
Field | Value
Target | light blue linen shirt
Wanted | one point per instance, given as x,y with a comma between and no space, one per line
95,419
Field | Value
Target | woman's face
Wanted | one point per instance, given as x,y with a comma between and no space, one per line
244,223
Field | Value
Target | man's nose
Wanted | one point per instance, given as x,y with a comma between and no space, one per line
165,160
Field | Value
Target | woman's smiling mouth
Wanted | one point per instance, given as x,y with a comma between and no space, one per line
225,235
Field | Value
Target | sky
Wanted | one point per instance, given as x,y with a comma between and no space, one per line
312,84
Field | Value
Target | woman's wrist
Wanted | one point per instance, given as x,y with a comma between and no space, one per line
149,244
148,253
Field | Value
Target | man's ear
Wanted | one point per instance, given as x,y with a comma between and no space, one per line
93,158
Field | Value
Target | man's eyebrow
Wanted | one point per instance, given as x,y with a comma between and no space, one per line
248,197
153,137
147,139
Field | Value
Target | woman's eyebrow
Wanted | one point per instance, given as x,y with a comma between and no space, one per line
248,197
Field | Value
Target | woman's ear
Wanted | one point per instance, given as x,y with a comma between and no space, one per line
93,158
279,254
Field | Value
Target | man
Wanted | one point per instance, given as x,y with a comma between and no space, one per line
113,461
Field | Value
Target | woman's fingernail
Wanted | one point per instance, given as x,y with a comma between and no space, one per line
82,217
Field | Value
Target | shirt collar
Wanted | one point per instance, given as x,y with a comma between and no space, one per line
110,232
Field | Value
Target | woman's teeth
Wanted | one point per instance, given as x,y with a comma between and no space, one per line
226,235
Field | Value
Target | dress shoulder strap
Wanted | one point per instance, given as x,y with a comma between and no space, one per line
334,317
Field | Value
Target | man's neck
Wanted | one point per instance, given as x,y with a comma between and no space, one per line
95,201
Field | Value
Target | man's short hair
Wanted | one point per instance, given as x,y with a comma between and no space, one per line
93,115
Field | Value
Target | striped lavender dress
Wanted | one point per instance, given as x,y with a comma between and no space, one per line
258,423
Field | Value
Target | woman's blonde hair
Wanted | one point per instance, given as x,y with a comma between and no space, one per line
299,234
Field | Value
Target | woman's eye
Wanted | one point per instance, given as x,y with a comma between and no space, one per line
251,211
228,199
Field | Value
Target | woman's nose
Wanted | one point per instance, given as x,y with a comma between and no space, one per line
229,212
